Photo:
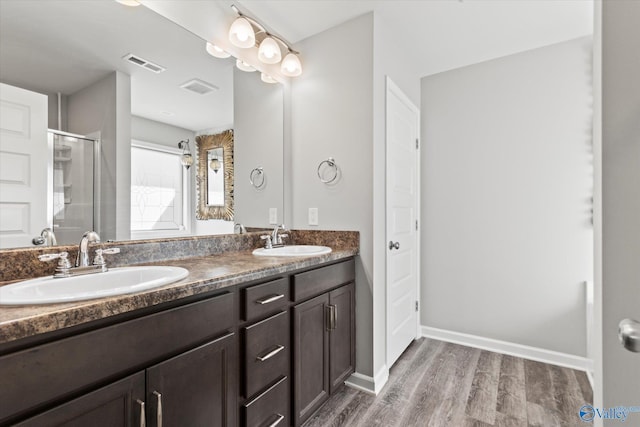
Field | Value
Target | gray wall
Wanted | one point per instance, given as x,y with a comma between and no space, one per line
105,107
258,142
332,116
389,61
160,133
506,191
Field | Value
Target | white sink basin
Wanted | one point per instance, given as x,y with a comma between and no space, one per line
293,250
116,281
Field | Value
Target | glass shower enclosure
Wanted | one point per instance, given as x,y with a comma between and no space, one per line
73,176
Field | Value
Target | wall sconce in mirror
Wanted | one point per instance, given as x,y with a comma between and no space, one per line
186,159
215,176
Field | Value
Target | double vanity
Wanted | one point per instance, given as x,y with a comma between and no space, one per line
243,339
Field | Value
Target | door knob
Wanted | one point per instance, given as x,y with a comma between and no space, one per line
393,245
629,335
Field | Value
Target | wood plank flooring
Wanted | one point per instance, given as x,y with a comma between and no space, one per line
440,384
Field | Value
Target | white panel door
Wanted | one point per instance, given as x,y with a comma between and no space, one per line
402,213
24,165
621,206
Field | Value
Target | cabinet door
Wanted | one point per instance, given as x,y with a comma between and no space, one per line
117,404
196,388
310,357
342,335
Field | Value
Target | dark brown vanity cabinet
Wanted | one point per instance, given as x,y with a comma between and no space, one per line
178,365
119,404
323,335
266,348
252,355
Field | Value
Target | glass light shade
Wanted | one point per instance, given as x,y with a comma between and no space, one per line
214,50
269,51
215,165
186,160
244,66
267,78
291,66
241,33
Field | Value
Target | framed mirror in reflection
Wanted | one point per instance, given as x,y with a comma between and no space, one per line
94,83
215,180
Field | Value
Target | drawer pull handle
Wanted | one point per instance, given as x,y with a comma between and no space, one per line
272,298
143,416
277,421
159,412
272,353
332,317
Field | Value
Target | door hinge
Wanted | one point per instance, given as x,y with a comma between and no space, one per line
417,306
417,144
416,225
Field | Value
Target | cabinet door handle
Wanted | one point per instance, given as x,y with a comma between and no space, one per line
329,317
159,410
333,316
277,421
143,416
272,353
272,298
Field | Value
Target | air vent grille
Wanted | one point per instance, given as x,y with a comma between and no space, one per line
198,86
141,62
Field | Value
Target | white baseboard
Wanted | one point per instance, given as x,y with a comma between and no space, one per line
367,384
512,349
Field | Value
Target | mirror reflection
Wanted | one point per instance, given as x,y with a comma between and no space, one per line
215,177
137,94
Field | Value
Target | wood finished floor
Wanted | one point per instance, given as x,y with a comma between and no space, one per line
441,384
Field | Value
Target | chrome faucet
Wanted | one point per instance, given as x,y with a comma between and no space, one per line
276,238
82,260
47,238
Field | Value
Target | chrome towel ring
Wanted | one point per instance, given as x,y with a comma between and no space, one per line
256,177
331,163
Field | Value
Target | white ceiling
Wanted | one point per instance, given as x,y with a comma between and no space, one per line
439,34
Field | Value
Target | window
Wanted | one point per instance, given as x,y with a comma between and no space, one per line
159,192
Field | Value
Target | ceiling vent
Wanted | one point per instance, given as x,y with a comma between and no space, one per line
140,62
198,86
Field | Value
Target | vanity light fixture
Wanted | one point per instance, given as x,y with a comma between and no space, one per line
269,51
186,159
267,78
270,47
216,51
241,33
291,66
244,66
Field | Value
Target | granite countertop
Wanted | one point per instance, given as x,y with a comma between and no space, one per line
207,273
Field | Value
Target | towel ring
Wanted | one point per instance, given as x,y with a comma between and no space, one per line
256,177
332,164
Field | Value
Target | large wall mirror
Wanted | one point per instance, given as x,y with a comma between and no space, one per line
128,77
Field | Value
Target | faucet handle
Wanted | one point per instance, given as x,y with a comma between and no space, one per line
267,243
99,259
62,269
280,237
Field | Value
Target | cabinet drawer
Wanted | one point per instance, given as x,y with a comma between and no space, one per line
320,280
270,408
49,372
270,297
267,352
